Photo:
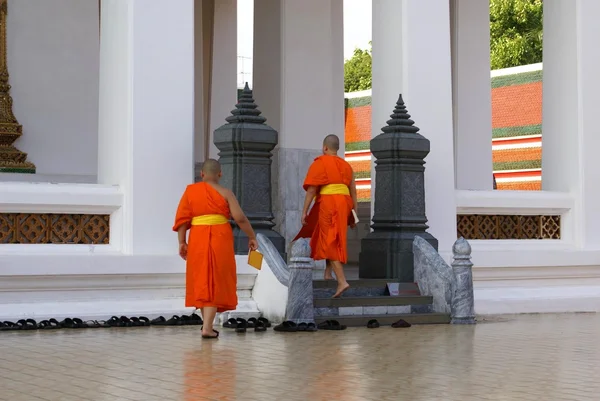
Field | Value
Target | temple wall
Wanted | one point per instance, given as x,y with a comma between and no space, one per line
53,61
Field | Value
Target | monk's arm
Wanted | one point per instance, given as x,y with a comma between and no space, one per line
353,194
239,216
311,192
181,233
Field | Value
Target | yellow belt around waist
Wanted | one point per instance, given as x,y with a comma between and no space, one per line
334,189
209,220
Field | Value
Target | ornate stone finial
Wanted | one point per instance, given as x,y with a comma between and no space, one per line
12,160
461,248
246,110
400,121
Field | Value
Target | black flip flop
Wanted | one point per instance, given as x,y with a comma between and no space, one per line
195,320
242,325
174,321
259,327
125,322
264,321
302,326
79,324
287,327
92,324
252,322
159,321
114,322
67,323
331,325
372,324
311,328
9,326
144,321
135,321
48,325
230,324
211,337
401,324
27,324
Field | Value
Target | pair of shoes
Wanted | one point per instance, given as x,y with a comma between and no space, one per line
331,325
73,323
173,321
290,327
192,320
400,324
307,327
242,325
372,324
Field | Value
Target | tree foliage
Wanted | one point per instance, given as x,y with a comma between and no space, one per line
516,32
357,71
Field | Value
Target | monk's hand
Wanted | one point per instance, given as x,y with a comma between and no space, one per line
303,219
252,244
183,248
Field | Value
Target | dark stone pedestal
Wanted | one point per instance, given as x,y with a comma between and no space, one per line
399,216
245,144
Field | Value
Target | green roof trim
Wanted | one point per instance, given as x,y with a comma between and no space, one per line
354,146
362,174
518,165
517,79
526,130
358,102
364,200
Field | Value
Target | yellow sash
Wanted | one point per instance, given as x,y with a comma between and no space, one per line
334,189
209,220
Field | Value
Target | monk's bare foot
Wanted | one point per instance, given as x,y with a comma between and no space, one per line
210,334
340,290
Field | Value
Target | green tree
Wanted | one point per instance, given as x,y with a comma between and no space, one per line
516,32
357,71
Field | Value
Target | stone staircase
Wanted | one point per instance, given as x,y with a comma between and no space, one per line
369,299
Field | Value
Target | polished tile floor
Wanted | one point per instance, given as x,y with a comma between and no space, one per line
533,357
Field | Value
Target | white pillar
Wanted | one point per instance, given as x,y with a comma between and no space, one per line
472,94
299,86
570,106
223,87
146,117
413,58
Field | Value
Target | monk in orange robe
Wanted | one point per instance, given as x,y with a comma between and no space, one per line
330,182
205,210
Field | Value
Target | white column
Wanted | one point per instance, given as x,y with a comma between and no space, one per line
472,93
146,117
570,107
223,87
299,86
413,58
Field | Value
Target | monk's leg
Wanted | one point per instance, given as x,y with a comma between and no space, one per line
343,285
328,269
208,315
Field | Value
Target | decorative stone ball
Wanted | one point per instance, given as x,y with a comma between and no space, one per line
461,247
301,248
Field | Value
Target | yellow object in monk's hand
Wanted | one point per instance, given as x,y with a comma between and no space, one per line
255,259
209,220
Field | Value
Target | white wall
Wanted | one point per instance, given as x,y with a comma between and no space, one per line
53,61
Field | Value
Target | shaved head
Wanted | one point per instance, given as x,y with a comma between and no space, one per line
211,168
332,143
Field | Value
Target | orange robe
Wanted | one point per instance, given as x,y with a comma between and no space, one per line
210,278
328,219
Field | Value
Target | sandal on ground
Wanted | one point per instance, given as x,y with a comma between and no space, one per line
372,324
27,324
302,326
92,324
67,323
311,328
159,321
230,324
50,324
125,322
259,327
79,324
144,321
174,321
264,321
204,336
8,326
287,327
114,322
252,322
242,325
401,324
195,320
135,321
331,325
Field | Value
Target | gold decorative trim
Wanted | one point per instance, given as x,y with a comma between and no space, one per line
34,228
12,160
503,227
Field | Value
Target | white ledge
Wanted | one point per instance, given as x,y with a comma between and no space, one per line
513,202
24,197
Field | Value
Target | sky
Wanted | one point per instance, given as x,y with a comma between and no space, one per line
357,32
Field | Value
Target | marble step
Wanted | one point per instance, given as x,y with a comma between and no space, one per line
387,320
381,310
362,288
385,300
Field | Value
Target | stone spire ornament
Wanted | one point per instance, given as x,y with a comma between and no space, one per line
12,160
245,146
399,214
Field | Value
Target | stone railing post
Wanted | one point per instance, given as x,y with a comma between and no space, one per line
300,307
245,146
463,301
399,215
